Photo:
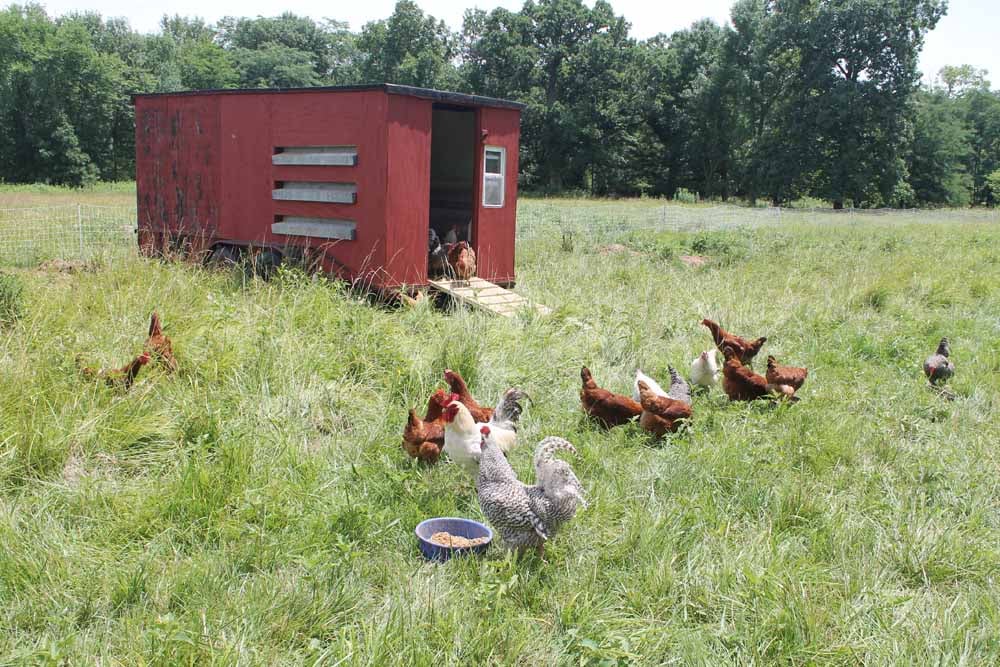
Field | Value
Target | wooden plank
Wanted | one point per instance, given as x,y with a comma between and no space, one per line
333,193
485,295
492,291
340,156
502,298
317,228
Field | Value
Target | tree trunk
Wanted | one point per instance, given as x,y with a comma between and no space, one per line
838,204
555,180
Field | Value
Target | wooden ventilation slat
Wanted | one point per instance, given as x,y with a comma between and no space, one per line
334,193
317,228
338,156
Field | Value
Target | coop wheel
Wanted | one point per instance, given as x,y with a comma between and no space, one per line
225,256
265,263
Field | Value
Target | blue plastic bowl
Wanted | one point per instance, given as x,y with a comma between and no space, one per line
459,527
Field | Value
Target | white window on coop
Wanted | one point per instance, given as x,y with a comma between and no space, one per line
494,165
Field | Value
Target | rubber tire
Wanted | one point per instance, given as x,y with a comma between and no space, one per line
225,256
265,263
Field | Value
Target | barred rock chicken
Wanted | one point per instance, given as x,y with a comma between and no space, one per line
462,258
437,258
938,367
607,408
680,390
661,414
653,385
739,382
527,516
705,369
158,345
116,378
423,439
461,430
785,380
745,349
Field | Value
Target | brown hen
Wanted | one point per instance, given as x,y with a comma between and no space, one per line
607,408
660,414
458,386
746,350
116,378
158,344
462,258
785,379
739,382
423,439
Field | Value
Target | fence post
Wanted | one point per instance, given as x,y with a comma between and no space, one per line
79,226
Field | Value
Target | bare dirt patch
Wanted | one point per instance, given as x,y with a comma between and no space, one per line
694,260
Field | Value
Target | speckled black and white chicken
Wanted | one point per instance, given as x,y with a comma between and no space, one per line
526,516
680,390
437,258
938,367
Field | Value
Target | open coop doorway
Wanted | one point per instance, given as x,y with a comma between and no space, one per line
453,168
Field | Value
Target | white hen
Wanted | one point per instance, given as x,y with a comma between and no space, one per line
462,437
705,369
650,382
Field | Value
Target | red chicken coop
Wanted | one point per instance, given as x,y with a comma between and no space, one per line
351,178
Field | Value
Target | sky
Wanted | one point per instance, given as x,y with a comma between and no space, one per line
964,36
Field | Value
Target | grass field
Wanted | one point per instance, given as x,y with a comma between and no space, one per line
101,194
256,508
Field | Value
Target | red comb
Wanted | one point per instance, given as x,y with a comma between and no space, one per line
485,430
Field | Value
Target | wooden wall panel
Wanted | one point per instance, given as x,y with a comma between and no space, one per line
409,188
495,228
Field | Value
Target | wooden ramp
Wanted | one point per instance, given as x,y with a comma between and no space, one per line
485,295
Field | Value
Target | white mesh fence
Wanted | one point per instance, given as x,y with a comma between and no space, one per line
29,236
606,220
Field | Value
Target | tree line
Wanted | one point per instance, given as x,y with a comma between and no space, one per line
791,99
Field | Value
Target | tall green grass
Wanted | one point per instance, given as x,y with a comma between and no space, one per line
256,508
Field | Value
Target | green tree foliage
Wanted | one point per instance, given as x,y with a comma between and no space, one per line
980,109
938,152
409,48
59,100
860,67
959,79
772,150
790,99
689,84
570,64
993,186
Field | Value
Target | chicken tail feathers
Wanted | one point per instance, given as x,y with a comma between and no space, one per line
509,409
554,475
547,448
155,327
944,348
